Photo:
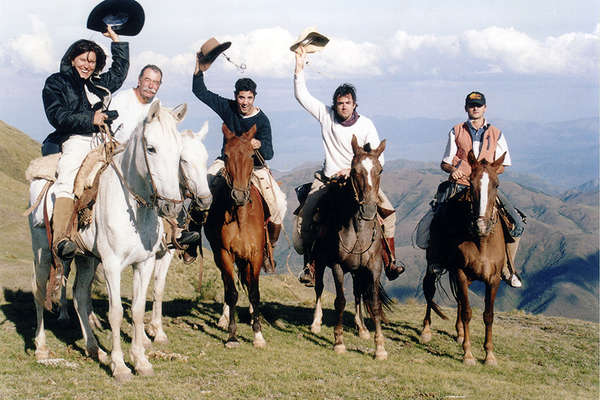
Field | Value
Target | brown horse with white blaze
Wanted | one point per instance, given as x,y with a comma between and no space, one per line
471,240
235,230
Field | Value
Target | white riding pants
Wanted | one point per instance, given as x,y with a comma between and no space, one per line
74,151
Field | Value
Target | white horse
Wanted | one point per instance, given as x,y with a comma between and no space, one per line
193,164
126,229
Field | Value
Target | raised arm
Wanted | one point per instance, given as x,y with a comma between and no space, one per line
306,100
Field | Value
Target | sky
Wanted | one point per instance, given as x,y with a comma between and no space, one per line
535,60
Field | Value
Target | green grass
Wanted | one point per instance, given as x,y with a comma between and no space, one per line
538,357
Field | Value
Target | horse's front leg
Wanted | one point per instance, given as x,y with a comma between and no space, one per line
252,282
225,263
155,327
63,314
86,270
340,304
142,273
112,275
488,318
359,320
465,308
315,327
380,353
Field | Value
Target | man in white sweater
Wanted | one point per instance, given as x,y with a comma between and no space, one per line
133,104
338,123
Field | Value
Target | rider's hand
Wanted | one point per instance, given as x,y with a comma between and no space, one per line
343,172
300,59
111,34
457,174
99,118
255,143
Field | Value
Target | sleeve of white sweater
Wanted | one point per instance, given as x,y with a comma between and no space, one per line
306,100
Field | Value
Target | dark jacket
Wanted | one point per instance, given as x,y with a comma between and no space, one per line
228,111
65,102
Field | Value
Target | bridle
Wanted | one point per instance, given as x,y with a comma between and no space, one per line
154,195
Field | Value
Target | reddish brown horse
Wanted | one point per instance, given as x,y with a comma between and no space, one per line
472,242
235,230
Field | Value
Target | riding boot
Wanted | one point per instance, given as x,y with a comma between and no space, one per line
191,253
307,276
273,230
509,273
63,246
392,271
188,237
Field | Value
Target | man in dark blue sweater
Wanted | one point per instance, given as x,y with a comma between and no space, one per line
239,115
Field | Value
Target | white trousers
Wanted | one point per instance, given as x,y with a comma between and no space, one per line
74,150
266,185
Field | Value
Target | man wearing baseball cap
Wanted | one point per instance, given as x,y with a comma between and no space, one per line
472,135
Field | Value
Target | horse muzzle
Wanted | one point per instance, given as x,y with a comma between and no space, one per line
368,211
168,208
240,197
203,203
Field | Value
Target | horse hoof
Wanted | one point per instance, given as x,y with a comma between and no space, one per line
491,362
460,339
469,361
260,344
161,339
381,355
124,376
232,344
315,329
339,348
223,323
425,337
146,371
43,354
102,357
364,334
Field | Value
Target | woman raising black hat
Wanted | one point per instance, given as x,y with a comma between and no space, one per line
74,100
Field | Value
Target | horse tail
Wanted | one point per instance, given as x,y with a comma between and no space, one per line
365,289
429,286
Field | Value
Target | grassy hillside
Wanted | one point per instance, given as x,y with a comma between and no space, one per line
539,357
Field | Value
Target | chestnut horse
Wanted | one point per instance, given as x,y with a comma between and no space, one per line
235,230
473,249
350,241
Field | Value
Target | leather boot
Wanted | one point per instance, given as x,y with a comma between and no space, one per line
509,274
307,276
273,230
63,246
392,271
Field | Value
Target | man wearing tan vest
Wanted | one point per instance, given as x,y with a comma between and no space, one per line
487,142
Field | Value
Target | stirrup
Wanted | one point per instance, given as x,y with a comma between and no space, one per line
307,277
514,281
435,269
392,271
66,249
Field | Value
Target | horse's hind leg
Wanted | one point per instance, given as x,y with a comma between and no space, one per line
86,268
429,293
41,271
359,321
340,304
155,327
488,318
465,313
63,314
252,282
315,327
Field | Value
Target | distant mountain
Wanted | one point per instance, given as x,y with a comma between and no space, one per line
546,156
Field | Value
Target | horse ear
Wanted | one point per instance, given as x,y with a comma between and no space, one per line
250,133
355,146
153,110
499,161
380,148
179,112
203,131
227,133
471,157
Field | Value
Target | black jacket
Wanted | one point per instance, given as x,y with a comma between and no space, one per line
65,102
227,109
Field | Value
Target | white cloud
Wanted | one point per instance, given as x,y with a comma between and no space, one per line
32,51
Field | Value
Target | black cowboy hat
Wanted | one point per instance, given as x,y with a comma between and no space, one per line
126,17
209,52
